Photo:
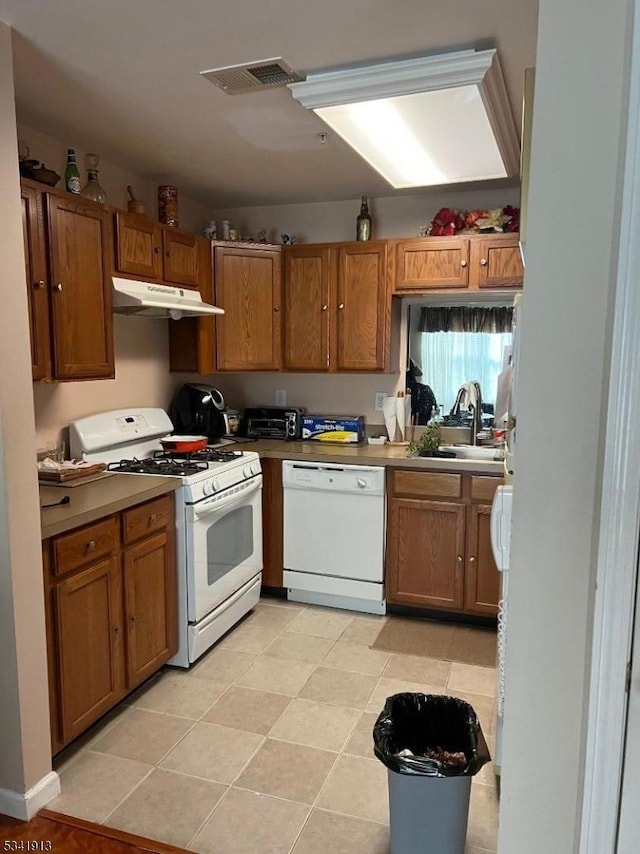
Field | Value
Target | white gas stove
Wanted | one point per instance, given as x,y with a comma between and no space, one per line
218,517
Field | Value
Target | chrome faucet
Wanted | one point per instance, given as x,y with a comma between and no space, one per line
476,422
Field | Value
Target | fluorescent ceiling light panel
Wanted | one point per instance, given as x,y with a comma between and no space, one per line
421,122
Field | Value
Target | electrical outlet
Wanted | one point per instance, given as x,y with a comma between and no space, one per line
379,398
281,397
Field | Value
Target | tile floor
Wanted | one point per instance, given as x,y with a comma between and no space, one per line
265,746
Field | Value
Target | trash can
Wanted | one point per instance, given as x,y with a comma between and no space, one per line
432,745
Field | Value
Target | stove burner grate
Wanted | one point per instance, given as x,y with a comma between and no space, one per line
206,455
164,466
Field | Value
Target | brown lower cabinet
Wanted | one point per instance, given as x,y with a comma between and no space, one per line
438,547
111,612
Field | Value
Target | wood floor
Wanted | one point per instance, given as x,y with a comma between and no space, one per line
68,835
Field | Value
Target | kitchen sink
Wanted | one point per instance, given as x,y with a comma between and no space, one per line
475,452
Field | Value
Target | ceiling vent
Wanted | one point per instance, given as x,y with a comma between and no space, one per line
252,76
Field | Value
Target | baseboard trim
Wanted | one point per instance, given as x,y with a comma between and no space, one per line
24,806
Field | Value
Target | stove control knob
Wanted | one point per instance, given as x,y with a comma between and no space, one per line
207,487
215,484
255,468
247,471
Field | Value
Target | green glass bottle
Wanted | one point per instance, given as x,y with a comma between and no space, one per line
363,222
71,174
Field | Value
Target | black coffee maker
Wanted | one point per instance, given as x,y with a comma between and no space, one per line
199,410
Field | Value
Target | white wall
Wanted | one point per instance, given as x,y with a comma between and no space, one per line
25,751
397,216
579,111
114,179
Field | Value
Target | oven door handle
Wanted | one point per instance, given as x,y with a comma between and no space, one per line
204,508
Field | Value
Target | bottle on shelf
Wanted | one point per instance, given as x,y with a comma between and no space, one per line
92,189
363,222
71,174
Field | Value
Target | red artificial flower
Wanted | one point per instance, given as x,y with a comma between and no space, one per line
513,225
445,216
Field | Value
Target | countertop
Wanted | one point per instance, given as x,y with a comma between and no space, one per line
92,501
394,456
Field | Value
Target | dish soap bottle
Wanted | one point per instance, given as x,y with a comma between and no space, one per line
363,222
71,174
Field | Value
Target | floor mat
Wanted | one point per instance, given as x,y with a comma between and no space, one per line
412,636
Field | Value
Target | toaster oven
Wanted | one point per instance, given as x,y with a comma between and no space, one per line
273,422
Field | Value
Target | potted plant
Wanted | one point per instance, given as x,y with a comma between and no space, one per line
428,444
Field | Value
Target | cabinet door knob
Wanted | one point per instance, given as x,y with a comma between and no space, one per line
156,249
341,306
168,254
153,518
463,263
40,284
58,287
325,307
276,308
116,630
92,545
133,618
483,262
460,558
472,560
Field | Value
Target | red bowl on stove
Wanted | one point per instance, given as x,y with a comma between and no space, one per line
183,444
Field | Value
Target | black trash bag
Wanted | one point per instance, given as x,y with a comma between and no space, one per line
430,735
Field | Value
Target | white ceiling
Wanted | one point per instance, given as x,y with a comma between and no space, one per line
121,77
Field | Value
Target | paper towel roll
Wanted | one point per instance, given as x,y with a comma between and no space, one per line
389,410
403,415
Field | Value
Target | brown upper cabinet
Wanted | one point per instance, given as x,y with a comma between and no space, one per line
138,246
68,269
35,255
180,257
148,250
337,306
248,287
428,264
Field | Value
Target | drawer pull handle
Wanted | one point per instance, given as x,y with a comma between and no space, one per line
92,545
153,518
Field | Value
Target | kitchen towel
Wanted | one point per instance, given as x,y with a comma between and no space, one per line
397,415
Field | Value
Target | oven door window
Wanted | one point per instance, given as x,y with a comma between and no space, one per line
229,543
224,551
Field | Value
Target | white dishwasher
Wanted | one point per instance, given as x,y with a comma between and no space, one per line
334,535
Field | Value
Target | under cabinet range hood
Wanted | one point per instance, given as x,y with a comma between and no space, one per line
149,300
